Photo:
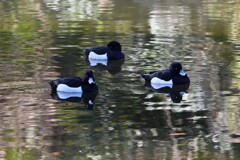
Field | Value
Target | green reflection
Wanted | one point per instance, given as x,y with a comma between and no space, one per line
23,153
219,31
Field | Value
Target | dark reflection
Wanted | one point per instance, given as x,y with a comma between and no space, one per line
112,66
186,122
176,92
87,98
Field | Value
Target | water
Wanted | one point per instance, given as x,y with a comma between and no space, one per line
41,40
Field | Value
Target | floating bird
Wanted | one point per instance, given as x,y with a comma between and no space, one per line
172,76
75,84
113,51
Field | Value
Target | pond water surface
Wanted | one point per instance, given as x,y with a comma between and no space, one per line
41,40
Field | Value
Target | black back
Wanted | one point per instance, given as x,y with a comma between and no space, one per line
162,74
70,81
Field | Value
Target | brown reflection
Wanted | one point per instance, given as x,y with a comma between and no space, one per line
29,120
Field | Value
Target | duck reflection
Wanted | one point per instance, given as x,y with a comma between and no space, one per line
112,66
87,98
176,92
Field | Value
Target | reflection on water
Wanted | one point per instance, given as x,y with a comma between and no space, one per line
112,66
88,99
176,92
46,39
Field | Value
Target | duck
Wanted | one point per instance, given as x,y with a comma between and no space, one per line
175,75
75,84
113,51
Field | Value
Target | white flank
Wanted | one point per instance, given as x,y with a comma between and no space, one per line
156,80
93,55
65,88
94,62
158,86
65,95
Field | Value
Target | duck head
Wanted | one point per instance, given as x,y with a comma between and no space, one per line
176,69
114,46
88,77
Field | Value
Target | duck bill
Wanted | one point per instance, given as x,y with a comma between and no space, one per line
90,81
182,93
182,73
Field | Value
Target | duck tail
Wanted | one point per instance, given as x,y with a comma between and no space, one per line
146,77
87,51
53,85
